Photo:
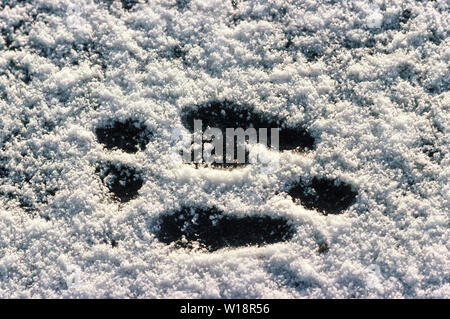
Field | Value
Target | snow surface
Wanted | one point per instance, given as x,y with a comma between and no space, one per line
369,80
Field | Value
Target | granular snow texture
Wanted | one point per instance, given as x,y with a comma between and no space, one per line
96,202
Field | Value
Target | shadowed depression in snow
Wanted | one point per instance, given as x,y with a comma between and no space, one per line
228,114
122,180
128,136
212,229
325,195
100,108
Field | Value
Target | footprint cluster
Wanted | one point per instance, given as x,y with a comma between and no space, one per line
130,136
208,227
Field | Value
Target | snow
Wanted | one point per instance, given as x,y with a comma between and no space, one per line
368,82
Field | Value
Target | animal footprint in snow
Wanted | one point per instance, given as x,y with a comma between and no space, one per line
130,136
239,124
324,195
122,180
212,229
327,196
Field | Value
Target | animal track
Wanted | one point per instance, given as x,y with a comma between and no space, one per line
325,195
213,230
210,228
129,136
122,180
227,114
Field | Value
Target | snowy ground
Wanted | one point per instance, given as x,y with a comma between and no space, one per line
368,80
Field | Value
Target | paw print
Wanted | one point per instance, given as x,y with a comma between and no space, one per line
209,228
212,229
325,195
129,136
122,180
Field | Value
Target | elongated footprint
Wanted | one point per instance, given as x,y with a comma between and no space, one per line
212,229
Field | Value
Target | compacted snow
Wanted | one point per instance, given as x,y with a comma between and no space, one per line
95,98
